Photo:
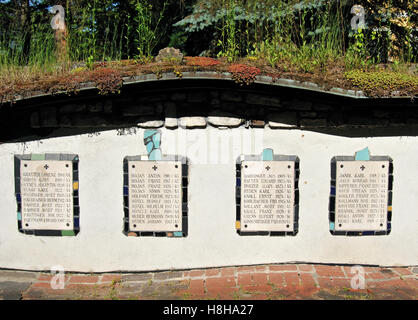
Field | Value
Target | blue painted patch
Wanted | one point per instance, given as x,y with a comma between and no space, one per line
149,133
331,225
19,216
18,197
155,155
178,234
238,182
152,141
332,191
267,155
125,191
363,155
76,223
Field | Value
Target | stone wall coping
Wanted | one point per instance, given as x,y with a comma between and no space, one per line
212,75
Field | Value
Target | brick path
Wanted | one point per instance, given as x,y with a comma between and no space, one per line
282,281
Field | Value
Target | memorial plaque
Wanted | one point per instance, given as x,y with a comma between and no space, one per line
267,196
361,200
155,196
46,195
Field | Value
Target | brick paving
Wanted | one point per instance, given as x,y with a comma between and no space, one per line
266,282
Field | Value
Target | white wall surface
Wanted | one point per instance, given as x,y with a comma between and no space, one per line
212,241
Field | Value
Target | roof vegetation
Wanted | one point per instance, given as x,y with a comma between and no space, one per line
334,43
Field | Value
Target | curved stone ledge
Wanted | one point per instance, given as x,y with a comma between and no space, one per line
212,75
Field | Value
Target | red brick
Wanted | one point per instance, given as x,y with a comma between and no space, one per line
111,278
212,272
394,283
197,273
258,296
245,269
305,268
80,285
307,280
276,278
283,267
412,282
222,282
330,283
197,287
259,278
84,279
186,274
244,279
325,283
342,283
227,272
46,285
261,268
291,279
258,288
347,270
380,276
329,271
45,277
48,277
403,271
221,293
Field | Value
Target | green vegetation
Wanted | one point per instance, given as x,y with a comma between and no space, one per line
374,82
291,38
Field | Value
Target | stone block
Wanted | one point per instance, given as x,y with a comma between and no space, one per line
256,99
138,110
231,96
222,119
300,105
193,122
72,108
34,120
48,117
151,124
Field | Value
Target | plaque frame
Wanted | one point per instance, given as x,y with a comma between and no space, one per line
75,188
332,199
184,188
238,165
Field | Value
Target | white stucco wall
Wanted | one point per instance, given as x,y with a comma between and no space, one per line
212,239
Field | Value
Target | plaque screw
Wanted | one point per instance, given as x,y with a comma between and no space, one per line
154,167
287,226
176,166
381,224
289,166
26,165
245,226
246,166
176,225
383,166
68,224
340,225
133,166
46,167
362,168
134,225
66,166
268,168
342,166
26,224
